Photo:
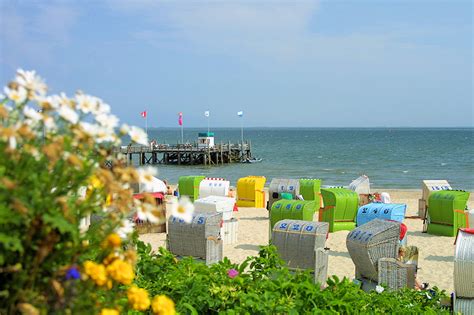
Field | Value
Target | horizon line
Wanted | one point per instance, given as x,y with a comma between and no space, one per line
314,127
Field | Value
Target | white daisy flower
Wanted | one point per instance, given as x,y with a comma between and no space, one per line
86,103
32,114
105,135
102,108
58,101
49,124
107,121
124,129
90,129
31,81
68,114
183,210
12,142
18,96
379,289
125,229
137,135
146,174
146,212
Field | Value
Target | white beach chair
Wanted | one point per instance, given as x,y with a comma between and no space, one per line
464,272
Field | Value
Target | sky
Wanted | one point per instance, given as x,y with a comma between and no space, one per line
283,63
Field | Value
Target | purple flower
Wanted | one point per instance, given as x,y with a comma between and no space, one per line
73,273
232,273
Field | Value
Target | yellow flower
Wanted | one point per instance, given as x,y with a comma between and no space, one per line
96,272
113,240
121,271
163,305
109,311
138,298
110,259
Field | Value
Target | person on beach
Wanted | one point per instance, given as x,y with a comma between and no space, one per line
409,255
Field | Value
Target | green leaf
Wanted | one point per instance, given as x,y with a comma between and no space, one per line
11,243
59,222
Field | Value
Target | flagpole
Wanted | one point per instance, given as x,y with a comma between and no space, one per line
146,123
207,125
242,130
182,139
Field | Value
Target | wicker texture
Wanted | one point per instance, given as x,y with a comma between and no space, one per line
148,227
191,239
464,265
297,241
370,242
395,274
214,250
463,306
321,266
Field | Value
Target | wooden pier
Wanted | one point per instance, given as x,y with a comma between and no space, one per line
188,154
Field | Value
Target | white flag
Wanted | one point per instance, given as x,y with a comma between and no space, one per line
206,113
240,114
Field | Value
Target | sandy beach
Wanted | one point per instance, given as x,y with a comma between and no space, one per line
436,252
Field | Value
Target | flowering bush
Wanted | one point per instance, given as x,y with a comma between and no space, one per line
262,285
58,169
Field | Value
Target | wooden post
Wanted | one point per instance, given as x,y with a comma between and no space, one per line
222,154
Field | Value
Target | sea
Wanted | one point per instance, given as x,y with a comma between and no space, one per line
391,157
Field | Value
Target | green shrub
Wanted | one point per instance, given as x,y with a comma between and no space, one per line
265,286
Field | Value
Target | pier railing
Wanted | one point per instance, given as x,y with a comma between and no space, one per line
181,147
187,153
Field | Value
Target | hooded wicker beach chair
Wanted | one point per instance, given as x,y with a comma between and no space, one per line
301,244
374,249
464,272
200,238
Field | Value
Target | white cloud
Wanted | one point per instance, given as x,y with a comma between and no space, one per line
272,29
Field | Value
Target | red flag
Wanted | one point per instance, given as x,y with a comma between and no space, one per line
143,114
180,119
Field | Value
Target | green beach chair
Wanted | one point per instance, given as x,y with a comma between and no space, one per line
310,189
189,186
292,209
446,212
340,208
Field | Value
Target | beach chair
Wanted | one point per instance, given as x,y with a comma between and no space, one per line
340,208
213,187
199,239
250,192
373,248
189,186
446,212
428,186
384,211
310,189
301,244
279,186
463,301
292,210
